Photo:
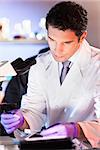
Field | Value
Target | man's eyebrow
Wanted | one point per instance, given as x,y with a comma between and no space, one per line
67,42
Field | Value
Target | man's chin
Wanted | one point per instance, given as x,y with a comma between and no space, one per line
60,59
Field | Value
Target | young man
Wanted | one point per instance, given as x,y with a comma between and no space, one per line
74,101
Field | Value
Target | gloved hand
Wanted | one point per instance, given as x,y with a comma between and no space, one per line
61,130
11,121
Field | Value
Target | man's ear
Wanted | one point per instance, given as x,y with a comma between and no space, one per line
83,36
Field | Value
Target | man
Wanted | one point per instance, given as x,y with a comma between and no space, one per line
74,102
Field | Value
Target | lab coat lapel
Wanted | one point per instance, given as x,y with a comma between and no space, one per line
73,78
57,92
52,78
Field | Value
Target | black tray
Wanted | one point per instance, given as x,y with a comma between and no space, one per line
51,144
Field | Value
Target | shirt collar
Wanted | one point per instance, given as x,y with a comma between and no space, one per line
74,57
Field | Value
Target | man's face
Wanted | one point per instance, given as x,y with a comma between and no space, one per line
63,44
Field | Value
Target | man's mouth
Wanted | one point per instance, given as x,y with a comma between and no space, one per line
58,56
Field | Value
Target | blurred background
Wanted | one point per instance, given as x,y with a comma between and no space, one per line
22,31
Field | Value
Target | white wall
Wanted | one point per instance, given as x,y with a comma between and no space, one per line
9,51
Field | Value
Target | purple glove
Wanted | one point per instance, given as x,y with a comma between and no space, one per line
61,130
11,121
54,131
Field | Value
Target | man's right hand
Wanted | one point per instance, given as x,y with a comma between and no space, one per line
11,121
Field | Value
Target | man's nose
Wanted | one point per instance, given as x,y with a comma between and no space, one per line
59,48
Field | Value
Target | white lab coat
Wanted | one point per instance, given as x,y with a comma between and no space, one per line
73,101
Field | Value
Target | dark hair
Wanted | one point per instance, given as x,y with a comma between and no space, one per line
67,15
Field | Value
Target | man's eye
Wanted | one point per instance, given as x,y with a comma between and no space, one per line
67,42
